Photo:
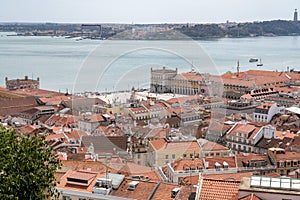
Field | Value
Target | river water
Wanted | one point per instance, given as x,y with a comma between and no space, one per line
94,65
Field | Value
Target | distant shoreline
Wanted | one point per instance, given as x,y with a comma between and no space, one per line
156,31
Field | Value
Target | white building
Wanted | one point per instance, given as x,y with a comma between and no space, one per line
265,112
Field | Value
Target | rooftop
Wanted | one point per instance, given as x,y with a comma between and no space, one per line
142,191
218,189
279,185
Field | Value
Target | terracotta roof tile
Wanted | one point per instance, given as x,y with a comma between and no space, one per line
81,174
288,155
16,105
243,159
228,176
163,192
187,163
250,197
158,144
219,189
142,191
84,165
229,160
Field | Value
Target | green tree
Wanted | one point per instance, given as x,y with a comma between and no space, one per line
27,167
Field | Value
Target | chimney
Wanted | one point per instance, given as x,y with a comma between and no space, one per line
26,78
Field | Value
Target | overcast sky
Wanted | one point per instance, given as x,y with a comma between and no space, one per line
146,11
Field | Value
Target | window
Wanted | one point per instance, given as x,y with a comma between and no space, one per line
211,154
184,155
173,156
139,156
281,172
206,154
191,155
167,156
66,198
295,163
281,164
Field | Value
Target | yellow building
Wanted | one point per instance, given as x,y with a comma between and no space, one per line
286,161
162,151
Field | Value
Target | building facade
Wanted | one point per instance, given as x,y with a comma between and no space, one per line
22,83
265,112
160,80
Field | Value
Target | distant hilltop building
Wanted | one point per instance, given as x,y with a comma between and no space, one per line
22,83
295,16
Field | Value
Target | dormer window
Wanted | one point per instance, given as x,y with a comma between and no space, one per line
225,165
186,169
217,166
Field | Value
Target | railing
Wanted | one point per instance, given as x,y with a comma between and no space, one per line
162,174
206,171
243,169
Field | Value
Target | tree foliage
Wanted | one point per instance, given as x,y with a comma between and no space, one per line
27,167
266,28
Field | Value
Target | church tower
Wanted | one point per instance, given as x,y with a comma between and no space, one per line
295,16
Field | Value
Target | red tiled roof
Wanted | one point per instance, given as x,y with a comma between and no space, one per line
187,163
32,92
241,158
157,133
244,129
288,155
55,136
212,161
28,129
16,105
94,118
54,100
82,175
85,165
163,192
158,144
228,176
142,191
162,144
213,146
265,106
219,189
137,109
70,173
250,197
184,99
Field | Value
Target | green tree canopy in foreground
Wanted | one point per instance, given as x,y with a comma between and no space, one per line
27,167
